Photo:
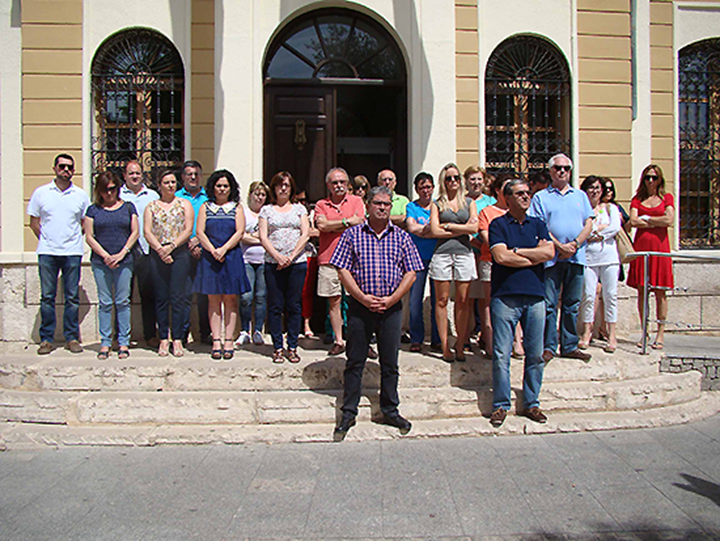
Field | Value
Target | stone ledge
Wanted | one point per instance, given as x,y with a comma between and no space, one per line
29,436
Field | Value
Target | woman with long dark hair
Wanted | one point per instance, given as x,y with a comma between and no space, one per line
652,212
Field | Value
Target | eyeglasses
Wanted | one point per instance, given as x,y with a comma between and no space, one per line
597,187
566,168
522,193
64,166
455,178
387,179
651,177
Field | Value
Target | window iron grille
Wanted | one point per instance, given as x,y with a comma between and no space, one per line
138,98
699,138
527,106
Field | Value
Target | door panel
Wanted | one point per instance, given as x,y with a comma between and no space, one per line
301,135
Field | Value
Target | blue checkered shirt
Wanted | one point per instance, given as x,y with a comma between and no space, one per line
378,264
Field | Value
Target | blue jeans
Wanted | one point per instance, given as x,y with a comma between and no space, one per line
362,323
417,323
284,289
49,266
569,278
505,313
258,291
113,287
170,292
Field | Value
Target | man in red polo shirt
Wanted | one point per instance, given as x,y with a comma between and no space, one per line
333,215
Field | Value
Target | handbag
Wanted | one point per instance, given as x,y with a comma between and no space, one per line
624,246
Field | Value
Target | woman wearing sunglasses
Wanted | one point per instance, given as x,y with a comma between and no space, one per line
111,229
652,212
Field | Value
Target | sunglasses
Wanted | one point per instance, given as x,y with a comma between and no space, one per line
64,166
562,168
455,178
110,189
651,177
362,187
522,193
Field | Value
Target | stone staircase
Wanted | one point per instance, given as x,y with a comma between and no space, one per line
67,399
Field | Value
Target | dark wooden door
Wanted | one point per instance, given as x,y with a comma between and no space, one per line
300,135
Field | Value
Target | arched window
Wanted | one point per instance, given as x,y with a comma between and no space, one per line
699,119
527,105
137,85
335,44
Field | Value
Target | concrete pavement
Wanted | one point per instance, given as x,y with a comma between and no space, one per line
622,485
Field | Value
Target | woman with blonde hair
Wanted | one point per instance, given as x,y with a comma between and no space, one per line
453,218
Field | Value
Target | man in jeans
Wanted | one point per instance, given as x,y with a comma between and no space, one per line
519,245
57,211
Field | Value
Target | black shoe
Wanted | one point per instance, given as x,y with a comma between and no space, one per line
347,422
405,338
398,421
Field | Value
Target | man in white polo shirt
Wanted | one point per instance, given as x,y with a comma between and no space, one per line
57,211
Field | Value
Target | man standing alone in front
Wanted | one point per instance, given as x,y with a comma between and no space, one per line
57,211
377,262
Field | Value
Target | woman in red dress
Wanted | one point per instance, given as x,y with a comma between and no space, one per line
652,212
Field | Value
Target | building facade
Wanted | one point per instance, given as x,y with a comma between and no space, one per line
256,86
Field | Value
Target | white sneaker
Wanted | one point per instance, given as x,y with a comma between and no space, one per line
243,339
258,339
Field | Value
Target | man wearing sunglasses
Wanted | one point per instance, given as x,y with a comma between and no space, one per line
57,211
568,215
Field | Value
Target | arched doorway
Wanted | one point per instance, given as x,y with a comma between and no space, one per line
138,82
335,95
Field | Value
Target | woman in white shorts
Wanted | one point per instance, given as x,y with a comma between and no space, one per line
453,218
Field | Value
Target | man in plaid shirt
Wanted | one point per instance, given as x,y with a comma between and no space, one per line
377,262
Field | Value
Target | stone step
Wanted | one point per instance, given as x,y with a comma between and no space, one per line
252,370
322,406
31,436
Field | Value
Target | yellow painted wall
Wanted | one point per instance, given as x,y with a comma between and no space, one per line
51,92
467,81
661,88
605,92
202,86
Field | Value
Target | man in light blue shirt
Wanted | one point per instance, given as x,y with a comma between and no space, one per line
136,192
57,211
568,215
193,191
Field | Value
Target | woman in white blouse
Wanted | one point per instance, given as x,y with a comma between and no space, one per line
602,264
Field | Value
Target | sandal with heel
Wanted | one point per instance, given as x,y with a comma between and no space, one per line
216,353
229,353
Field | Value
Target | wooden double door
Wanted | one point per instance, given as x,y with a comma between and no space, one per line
311,128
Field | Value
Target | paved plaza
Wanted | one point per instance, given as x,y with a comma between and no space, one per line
637,484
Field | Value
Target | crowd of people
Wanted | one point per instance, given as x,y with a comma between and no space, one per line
506,250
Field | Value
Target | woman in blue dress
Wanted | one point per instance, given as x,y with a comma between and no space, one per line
221,270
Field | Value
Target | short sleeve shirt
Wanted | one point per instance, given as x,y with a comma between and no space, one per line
351,205
196,201
111,228
284,230
61,214
399,204
507,281
565,215
485,218
377,262
425,246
